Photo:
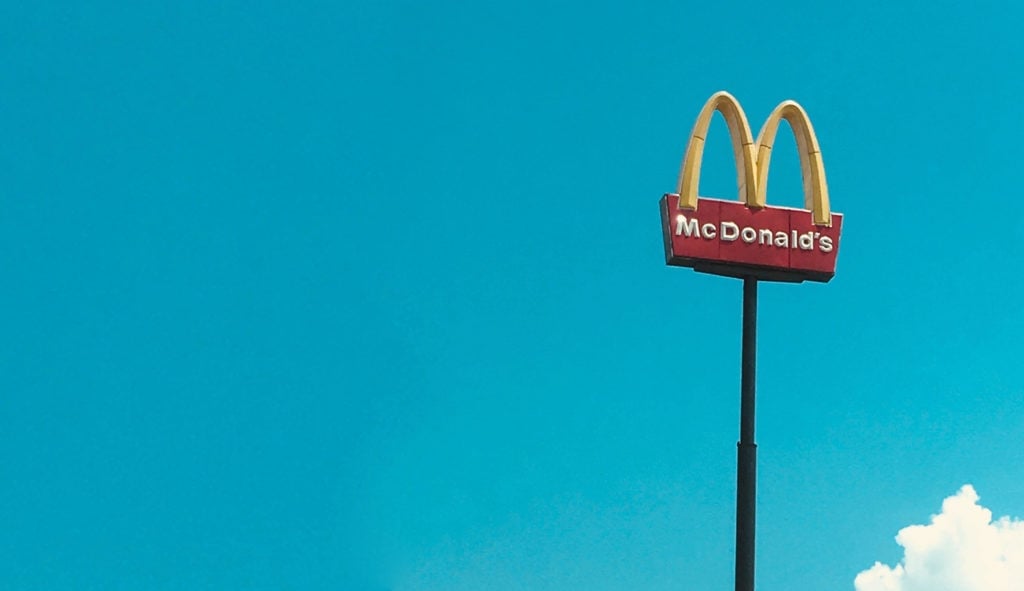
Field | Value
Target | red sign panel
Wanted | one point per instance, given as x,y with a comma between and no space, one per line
730,238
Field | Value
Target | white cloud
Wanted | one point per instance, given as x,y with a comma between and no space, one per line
962,549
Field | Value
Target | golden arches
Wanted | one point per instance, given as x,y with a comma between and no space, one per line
752,164
742,147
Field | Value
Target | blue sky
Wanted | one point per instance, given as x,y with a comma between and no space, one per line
371,295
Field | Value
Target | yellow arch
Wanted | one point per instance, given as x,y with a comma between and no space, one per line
742,147
811,165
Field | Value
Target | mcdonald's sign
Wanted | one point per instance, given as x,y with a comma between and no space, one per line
748,238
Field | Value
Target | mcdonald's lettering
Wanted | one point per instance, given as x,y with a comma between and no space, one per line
764,236
748,238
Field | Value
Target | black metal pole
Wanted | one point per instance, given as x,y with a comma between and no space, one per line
746,468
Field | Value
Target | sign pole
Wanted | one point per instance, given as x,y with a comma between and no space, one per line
746,466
